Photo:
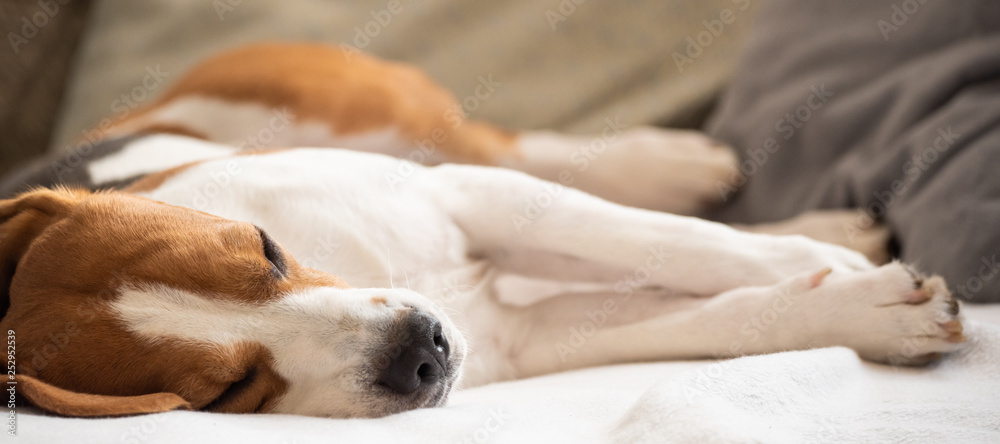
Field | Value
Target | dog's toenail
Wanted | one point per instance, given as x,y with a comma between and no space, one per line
817,278
955,339
952,306
952,326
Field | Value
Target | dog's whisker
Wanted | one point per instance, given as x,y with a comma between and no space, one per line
389,262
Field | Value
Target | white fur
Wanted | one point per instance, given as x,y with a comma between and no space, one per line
155,153
304,331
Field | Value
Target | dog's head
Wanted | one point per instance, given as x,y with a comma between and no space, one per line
115,304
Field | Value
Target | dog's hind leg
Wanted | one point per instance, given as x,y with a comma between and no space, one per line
680,172
886,314
849,228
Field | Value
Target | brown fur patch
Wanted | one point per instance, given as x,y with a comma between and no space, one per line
73,250
163,128
352,93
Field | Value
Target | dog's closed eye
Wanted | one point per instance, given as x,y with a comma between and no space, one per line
234,393
273,255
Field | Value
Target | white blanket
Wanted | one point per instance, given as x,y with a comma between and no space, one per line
823,395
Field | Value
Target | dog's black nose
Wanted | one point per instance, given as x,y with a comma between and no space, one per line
418,355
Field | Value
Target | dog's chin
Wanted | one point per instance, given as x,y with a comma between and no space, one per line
440,398
437,397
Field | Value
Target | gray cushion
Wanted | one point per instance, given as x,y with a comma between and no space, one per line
910,134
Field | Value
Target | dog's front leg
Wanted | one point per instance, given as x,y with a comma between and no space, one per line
886,314
536,228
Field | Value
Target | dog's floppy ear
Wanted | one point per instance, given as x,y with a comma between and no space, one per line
64,402
22,219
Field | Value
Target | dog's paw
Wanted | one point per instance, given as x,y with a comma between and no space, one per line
674,171
890,314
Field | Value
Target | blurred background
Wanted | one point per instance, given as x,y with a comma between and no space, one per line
560,64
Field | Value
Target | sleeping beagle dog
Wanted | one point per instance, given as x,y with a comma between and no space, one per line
191,259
